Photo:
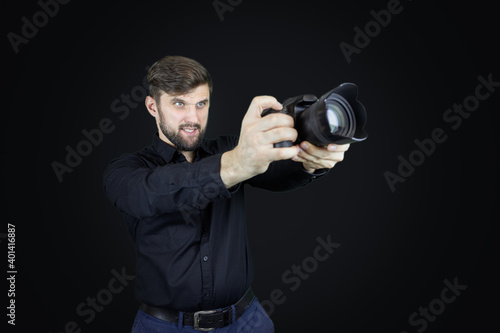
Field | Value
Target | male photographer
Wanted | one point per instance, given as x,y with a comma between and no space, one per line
183,202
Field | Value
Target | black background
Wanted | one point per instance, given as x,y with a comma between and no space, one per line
396,247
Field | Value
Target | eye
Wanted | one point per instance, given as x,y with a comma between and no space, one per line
201,104
179,104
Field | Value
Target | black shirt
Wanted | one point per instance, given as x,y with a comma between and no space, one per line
188,228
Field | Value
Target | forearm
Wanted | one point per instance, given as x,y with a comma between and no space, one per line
284,176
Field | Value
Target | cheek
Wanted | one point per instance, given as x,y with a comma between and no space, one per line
172,117
203,117
168,121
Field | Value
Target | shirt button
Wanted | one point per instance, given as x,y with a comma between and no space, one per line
205,258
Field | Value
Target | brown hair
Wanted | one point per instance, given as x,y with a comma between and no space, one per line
176,75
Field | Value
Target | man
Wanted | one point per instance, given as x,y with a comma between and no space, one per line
183,201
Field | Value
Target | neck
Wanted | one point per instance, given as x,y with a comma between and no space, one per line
189,155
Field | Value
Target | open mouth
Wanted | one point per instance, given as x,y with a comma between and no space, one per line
189,130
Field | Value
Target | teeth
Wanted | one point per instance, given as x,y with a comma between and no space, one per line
189,130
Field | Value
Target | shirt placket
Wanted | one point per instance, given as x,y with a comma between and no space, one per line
206,266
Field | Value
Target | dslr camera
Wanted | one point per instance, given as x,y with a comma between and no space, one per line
336,117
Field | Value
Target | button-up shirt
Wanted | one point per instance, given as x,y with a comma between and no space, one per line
188,228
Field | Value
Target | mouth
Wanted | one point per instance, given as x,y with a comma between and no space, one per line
190,131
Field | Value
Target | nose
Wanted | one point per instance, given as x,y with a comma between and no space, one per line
192,114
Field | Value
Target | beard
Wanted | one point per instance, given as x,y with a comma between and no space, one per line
175,136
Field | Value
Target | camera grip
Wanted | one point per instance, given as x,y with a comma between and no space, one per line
282,144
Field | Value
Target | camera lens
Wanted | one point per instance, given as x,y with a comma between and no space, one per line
336,118
340,116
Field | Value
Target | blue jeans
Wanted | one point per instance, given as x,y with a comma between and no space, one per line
253,320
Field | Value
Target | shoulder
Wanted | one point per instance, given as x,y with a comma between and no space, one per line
146,157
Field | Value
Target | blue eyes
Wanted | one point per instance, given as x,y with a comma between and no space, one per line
198,105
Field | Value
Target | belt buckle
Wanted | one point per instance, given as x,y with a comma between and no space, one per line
197,320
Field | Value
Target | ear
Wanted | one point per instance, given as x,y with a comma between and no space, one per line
151,106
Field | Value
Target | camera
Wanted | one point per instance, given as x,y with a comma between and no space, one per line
336,117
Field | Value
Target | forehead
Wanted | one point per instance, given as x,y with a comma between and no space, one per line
199,93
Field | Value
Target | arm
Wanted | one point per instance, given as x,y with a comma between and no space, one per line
144,191
314,162
255,152
284,176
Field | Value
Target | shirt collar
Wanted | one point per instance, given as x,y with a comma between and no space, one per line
167,152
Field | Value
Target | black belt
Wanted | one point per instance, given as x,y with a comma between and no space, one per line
205,320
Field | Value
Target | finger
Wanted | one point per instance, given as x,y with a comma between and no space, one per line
318,152
325,160
303,154
286,153
297,158
260,103
334,147
324,152
278,135
274,120
314,165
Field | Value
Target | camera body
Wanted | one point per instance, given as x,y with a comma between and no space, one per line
336,117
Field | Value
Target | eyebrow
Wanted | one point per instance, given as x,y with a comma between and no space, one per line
176,99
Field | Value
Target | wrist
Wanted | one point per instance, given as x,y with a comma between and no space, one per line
231,171
307,169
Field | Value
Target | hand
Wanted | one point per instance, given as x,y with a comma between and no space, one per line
314,158
255,150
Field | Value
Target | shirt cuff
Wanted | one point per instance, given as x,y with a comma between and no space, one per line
224,192
317,173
